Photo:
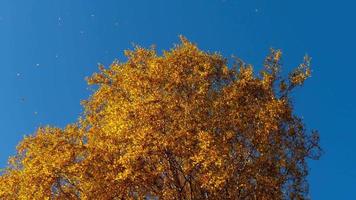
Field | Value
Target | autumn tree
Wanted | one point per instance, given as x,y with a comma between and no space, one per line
180,125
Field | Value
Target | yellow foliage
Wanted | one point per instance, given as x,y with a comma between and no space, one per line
182,125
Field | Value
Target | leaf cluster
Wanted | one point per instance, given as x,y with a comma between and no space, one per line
182,125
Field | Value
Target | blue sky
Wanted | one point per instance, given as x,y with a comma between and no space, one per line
47,48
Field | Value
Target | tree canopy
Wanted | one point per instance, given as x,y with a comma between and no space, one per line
180,125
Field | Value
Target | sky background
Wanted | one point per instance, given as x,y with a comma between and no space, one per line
47,48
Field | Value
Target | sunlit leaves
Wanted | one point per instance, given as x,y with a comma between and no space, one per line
181,125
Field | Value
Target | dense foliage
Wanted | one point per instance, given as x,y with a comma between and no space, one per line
182,125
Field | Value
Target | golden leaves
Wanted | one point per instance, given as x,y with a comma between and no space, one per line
178,126
301,73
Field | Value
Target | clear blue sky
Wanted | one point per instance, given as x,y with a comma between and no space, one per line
47,48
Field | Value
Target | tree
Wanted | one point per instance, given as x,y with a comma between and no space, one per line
182,125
